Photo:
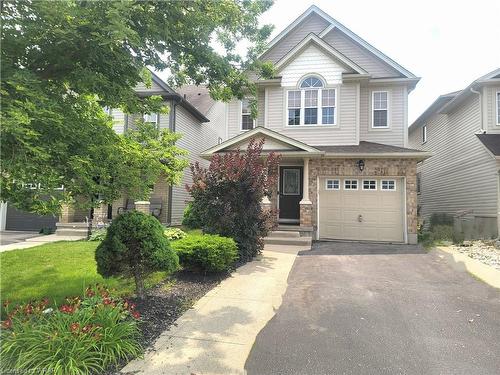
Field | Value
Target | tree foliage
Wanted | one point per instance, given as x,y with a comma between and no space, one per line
227,196
62,62
135,246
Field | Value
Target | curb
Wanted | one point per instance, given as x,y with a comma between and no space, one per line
487,274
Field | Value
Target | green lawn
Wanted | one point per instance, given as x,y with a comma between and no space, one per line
57,270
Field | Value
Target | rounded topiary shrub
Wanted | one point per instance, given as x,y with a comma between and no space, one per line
135,246
209,253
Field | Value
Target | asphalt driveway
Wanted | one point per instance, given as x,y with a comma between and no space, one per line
380,309
13,236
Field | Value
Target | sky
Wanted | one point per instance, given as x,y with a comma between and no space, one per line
448,44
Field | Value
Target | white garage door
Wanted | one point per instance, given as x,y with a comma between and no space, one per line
368,209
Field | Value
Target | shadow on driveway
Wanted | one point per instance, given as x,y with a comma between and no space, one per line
360,248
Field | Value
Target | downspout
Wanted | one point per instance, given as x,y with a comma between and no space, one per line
171,127
480,108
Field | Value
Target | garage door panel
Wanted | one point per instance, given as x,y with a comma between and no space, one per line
381,211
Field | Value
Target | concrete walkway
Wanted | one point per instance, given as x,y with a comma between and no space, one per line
39,240
216,335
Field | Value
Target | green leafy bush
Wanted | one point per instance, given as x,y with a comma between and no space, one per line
440,219
210,253
174,234
85,335
135,246
98,234
191,218
442,233
47,231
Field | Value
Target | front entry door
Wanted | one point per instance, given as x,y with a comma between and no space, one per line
290,194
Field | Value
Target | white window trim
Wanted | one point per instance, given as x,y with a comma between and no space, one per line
154,113
424,134
388,110
351,179
241,118
382,185
363,185
320,107
332,179
497,101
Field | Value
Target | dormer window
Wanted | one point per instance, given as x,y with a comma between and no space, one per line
312,104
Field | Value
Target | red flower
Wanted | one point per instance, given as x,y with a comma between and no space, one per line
132,306
106,301
67,309
74,327
6,324
28,309
136,314
87,328
89,292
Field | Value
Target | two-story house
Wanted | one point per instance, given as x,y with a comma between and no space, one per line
192,112
336,111
462,130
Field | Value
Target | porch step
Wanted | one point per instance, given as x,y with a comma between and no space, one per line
72,229
291,238
282,233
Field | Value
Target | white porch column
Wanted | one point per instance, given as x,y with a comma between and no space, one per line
305,189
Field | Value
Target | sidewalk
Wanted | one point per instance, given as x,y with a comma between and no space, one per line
39,240
217,334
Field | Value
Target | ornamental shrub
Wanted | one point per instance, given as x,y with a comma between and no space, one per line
85,335
209,253
98,234
227,196
135,246
174,234
191,218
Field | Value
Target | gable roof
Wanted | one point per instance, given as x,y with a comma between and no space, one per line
325,47
491,142
335,24
198,96
434,107
266,133
465,93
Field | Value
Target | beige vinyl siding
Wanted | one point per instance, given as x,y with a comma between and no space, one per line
461,174
118,120
312,24
164,120
154,87
196,138
395,134
261,98
344,133
361,56
489,94
234,118
311,61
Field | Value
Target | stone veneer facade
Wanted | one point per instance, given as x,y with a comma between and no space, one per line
373,168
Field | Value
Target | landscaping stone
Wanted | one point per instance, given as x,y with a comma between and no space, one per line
483,251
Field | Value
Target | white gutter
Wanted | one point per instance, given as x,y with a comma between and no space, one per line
480,107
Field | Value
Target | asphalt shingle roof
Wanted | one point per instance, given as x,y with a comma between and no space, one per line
491,142
365,147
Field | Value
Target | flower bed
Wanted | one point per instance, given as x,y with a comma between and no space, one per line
84,335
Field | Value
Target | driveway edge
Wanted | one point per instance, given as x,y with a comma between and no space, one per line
485,273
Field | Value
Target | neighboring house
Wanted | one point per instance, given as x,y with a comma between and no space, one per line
193,113
462,130
337,113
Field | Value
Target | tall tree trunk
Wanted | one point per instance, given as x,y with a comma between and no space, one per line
139,283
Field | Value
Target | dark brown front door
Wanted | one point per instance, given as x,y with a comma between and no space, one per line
290,194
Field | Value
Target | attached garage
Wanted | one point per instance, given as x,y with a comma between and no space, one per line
22,220
364,209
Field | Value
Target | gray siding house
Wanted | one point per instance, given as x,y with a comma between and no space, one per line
337,113
193,113
462,130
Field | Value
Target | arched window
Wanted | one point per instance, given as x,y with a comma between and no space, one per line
312,104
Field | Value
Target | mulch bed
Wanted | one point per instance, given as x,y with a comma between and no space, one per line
167,301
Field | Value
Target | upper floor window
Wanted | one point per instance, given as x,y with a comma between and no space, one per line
247,122
380,109
312,104
107,110
498,107
150,117
424,134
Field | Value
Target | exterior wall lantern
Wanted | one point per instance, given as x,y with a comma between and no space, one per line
361,165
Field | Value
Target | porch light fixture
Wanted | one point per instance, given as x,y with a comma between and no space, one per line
361,165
